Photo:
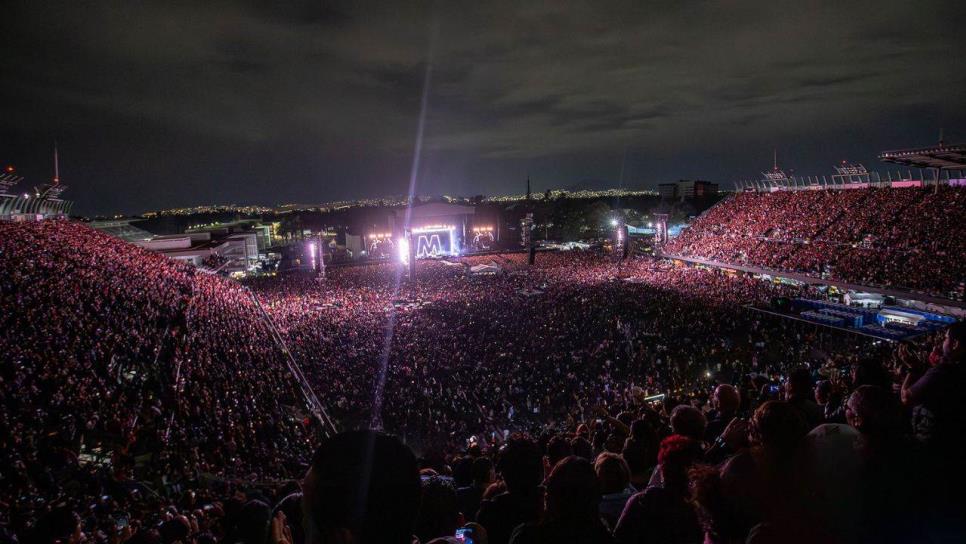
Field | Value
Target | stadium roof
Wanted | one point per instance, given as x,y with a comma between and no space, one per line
945,157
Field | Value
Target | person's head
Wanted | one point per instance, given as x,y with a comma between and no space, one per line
558,448
582,447
362,487
726,399
626,418
823,390
612,472
520,464
688,421
726,509
874,412
58,525
291,507
496,488
637,457
870,371
178,529
462,471
778,426
482,471
799,384
438,511
641,430
614,442
676,457
252,523
954,344
572,490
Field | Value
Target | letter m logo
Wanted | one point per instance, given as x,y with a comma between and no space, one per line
428,246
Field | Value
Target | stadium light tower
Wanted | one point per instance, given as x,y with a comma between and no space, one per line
320,266
619,237
407,253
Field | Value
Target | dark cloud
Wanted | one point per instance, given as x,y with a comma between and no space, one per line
158,104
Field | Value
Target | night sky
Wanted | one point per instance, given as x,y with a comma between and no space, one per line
164,104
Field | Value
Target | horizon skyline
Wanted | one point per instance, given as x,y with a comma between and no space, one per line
588,184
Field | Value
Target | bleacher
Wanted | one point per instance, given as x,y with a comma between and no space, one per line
899,238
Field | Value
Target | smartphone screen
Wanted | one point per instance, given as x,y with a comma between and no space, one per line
465,535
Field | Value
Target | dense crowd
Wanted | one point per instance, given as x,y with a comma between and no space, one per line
578,400
126,374
906,238
482,355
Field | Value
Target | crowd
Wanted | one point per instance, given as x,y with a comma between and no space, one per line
127,375
483,355
578,400
905,238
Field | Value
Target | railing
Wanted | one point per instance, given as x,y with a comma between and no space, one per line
314,404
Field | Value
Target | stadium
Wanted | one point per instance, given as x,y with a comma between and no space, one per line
795,327
571,272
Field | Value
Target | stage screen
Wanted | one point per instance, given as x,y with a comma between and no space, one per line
435,242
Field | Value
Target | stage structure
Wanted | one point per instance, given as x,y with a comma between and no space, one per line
380,245
320,256
526,237
482,238
619,238
435,230
526,230
928,166
407,252
42,202
948,159
660,224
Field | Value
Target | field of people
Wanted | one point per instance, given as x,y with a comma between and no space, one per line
529,348
146,401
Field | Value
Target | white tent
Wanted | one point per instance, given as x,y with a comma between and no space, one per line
865,300
488,268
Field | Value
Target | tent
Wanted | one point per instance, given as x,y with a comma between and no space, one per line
488,268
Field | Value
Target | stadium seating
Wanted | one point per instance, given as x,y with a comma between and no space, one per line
901,238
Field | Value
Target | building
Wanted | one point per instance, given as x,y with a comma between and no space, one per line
668,191
262,233
686,189
20,203
123,229
238,252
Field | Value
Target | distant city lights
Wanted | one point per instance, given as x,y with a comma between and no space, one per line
389,201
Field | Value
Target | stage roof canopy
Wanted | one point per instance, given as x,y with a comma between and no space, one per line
945,157
436,209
